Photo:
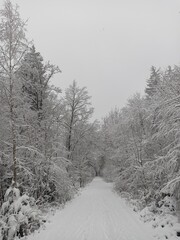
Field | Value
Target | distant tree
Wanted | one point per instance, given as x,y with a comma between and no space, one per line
152,82
85,155
78,112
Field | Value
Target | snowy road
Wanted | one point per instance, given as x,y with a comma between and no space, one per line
97,214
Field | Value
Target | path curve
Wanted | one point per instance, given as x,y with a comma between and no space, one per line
96,214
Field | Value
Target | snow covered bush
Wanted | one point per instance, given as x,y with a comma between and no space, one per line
167,205
19,215
63,187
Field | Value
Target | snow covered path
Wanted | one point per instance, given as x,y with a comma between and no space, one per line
97,214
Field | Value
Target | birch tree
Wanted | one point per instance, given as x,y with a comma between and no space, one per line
13,46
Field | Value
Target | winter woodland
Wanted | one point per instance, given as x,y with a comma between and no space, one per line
50,147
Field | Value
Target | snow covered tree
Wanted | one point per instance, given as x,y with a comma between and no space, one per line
142,142
32,150
152,82
13,45
78,111
44,152
35,76
85,155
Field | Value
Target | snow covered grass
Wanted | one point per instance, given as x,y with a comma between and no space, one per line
161,219
164,225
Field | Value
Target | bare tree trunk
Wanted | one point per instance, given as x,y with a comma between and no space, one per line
177,197
70,135
14,156
13,131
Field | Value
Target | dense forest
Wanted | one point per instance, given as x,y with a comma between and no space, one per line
142,139
46,138
50,147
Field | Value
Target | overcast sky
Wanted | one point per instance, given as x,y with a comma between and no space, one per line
106,45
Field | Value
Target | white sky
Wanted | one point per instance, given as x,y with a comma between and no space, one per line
106,45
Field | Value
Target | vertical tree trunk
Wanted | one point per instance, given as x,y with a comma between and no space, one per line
176,194
13,131
70,135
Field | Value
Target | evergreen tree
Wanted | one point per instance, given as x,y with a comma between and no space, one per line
13,45
152,82
35,76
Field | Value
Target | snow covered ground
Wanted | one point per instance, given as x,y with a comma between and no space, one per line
96,214
164,225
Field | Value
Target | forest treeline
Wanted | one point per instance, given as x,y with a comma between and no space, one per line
47,141
49,146
142,140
